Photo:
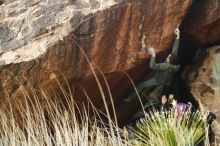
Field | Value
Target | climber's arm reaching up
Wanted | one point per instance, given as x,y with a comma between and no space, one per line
176,44
153,64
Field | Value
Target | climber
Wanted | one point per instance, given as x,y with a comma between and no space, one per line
163,72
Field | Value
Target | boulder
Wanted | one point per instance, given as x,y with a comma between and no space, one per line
201,28
204,81
202,23
44,41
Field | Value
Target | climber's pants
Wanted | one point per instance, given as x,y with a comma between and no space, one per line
149,83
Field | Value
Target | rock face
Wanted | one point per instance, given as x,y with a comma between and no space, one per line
204,81
202,23
202,29
42,41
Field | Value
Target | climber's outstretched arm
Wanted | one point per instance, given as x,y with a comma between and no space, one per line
176,44
153,64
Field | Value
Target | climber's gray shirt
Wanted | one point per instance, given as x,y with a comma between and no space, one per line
163,72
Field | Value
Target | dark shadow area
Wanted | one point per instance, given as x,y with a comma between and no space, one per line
186,54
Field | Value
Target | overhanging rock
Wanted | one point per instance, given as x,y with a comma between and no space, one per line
40,41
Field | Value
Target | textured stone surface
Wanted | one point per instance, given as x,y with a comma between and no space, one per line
41,39
202,28
202,24
204,81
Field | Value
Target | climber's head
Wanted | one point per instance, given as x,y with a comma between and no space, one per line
170,59
164,99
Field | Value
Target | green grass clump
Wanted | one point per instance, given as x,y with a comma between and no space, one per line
171,129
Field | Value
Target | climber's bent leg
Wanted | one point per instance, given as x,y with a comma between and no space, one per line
155,95
149,83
